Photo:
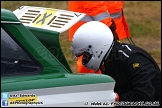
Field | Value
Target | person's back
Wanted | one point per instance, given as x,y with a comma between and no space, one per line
135,71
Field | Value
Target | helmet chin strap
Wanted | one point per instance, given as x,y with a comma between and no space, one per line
108,52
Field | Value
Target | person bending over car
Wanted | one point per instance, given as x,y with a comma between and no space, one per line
136,74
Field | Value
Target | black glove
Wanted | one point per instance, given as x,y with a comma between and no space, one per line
113,28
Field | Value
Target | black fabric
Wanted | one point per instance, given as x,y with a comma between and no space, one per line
113,29
139,83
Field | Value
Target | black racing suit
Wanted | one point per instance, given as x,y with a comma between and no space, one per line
137,76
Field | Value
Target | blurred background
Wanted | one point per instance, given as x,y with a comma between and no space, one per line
143,18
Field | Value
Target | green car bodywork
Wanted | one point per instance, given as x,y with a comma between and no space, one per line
42,46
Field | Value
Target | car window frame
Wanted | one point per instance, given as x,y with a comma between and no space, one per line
23,48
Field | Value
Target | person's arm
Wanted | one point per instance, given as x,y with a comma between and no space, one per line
141,71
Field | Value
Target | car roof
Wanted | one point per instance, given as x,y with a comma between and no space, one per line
9,16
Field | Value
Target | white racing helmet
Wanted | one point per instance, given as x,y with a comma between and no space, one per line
94,41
